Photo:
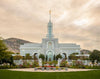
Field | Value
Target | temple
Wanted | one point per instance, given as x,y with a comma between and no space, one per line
50,46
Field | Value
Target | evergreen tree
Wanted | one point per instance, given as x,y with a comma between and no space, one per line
2,45
95,55
46,57
27,56
5,56
58,56
54,58
42,56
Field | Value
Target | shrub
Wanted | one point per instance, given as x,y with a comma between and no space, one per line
35,64
63,63
57,67
7,67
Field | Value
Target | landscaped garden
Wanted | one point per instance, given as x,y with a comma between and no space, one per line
6,74
8,61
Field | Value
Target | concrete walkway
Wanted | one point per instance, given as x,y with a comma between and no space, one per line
32,70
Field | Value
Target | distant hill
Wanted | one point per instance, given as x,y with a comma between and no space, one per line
85,51
13,44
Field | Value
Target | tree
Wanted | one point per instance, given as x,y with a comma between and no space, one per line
95,55
27,56
42,56
2,46
65,56
9,57
58,56
63,63
73,57
5,55
75,53
35,57
46,58
17,57
54,58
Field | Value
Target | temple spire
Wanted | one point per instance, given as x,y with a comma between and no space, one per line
50,27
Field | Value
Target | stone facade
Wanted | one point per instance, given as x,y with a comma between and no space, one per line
49,46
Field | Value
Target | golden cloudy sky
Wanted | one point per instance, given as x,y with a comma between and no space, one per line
74,21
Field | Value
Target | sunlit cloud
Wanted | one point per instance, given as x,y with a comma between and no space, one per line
82,22
76,21
62,16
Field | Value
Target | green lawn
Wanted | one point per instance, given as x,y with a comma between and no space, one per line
6,74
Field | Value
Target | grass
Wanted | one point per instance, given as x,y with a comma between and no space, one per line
6,74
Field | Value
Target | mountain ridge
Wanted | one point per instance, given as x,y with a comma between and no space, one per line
13,44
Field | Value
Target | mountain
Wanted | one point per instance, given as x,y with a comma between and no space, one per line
13,44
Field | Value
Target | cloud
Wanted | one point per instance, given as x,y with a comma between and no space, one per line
27,19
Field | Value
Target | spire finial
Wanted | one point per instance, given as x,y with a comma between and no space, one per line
50,12
50,15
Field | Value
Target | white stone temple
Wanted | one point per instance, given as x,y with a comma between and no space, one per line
49,46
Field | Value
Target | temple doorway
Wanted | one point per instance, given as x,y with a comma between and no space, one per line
50,55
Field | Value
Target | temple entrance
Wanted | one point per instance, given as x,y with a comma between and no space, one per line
35,56
50,55
64,55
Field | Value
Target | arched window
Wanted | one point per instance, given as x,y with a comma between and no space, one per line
50,45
